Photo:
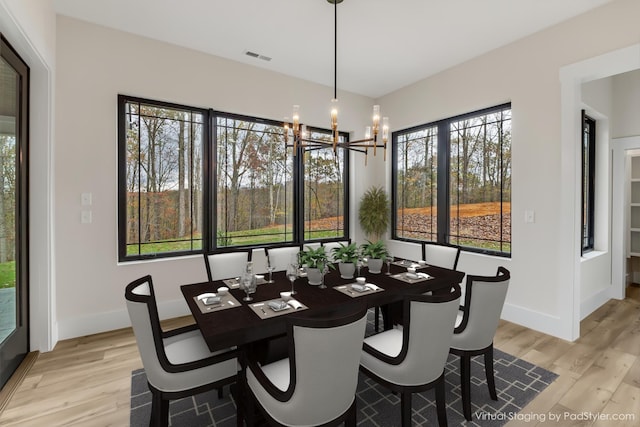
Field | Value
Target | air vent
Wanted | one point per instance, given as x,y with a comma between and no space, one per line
257,55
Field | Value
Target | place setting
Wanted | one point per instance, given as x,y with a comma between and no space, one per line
210,302
359,288
412,276
277,306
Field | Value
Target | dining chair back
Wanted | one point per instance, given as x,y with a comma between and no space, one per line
441,255
280,257
477,323
226,264
413,358
177,363
316,383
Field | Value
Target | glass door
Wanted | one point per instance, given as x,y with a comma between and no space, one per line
14,96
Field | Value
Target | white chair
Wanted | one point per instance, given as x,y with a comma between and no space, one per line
280,257
226,264
439,255
413,358
177,363
475,327
329,246
316,384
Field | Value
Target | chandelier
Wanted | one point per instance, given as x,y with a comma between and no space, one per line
299,137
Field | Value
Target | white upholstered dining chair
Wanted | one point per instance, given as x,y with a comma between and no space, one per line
316,384
177,363
225,265
413,358
280,257
476,326
441,255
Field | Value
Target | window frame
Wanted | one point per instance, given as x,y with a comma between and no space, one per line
443,170
209,209
588,183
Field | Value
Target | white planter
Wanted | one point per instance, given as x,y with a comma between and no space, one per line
375,265
314,275
347,269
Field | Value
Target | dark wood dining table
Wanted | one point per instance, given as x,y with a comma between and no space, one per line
240,325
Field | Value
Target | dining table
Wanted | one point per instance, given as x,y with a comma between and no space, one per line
239,323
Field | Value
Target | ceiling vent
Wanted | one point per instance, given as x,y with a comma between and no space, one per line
257,55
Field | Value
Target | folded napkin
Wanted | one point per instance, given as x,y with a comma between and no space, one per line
413,275
277,305
295,304
206,295
372,287
423,275
359,288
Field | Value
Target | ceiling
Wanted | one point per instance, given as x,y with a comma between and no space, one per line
383,45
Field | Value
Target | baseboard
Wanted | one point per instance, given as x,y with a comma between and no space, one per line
118,319
541,322
7,392
595,301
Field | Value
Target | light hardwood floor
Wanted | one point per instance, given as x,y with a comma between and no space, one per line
85,381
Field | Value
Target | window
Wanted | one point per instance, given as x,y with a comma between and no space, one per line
161,178
452,181
588,180
195,180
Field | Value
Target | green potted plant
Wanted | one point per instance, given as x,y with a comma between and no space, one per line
374,252
314,261
346,256
374,213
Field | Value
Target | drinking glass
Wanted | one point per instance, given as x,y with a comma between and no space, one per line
360,263
248,285
292,275
388,259
325,270
270,269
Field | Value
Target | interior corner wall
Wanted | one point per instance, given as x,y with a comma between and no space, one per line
545,283
94,65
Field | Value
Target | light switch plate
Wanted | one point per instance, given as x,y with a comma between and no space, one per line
85,217
85,199
529,216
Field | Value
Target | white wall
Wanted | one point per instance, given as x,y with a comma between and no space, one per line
626,109
96,64
30,25
527,73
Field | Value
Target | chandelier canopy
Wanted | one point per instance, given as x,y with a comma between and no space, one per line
297,133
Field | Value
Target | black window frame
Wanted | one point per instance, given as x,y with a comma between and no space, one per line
209,199
443,179
588,181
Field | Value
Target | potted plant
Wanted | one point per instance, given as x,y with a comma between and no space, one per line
375,253
374,213
314,261
346,256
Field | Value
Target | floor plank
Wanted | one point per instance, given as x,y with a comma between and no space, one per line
85,381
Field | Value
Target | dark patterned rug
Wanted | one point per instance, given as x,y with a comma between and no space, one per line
517,383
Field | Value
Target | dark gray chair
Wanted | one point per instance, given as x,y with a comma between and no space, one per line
177,363
476,326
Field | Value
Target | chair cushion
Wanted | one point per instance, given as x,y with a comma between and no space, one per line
387,342
187,347
278,373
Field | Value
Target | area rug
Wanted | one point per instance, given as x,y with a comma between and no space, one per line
517,383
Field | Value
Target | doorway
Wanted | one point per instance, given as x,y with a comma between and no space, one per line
14,315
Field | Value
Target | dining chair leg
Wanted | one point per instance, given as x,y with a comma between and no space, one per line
405,408
465,385
441,406
351,418
488,369
376,320
159,410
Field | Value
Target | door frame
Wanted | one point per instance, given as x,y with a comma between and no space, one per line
16,346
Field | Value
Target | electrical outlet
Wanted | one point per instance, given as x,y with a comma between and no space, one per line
85,217
529,216
85,199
